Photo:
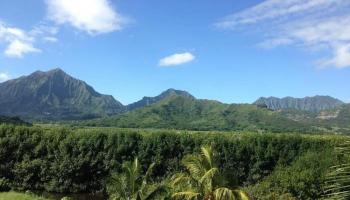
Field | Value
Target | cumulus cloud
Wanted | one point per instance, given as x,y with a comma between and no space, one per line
176,59
92,16
20,42
313,23
4,77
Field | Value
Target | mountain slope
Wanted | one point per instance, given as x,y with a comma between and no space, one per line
12,120
146,101
311,104
54,95
181,112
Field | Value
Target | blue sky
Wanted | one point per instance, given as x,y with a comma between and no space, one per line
231,51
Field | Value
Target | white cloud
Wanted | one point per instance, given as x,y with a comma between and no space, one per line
341,57
176,59
277,9
92,16
4,77
18,48
314,23
20,42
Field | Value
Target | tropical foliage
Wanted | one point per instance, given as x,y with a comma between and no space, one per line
132,185
74,160
338,180
202,180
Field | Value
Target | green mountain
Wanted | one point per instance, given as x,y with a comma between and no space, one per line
178,111
146,101
310,104
54,95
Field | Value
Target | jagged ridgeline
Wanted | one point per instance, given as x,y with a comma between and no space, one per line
54,95
311,104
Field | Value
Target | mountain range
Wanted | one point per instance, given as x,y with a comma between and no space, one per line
311,104
55,95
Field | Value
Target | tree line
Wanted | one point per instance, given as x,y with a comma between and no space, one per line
69,160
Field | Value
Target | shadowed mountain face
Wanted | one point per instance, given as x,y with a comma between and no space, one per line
146,101
54,95
311,104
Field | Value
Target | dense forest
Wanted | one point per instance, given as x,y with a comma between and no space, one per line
82,160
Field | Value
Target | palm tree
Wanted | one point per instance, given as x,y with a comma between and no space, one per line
130,185
202,180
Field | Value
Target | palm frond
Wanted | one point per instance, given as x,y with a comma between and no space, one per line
188,195
208,156
224,194
241,195
154,191
338,180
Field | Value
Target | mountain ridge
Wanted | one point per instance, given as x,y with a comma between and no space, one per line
312,104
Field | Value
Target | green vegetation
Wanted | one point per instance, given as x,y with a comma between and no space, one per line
203,179
19,196
73,160
338,179
131,185
182,112
12,120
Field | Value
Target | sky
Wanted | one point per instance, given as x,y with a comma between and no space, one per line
234,51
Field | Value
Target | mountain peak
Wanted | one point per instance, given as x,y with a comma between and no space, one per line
54,95
146,101
172,91
56,70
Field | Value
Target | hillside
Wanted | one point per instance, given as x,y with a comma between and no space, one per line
54,95
310,104
186,112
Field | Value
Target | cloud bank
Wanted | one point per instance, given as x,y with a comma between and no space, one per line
176,59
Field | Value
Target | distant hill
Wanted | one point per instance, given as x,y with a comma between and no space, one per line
180,111
12,120
146,101
310,104
54,95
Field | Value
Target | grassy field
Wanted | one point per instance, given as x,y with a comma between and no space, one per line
19,196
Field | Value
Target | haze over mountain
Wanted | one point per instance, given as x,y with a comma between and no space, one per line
311,104
54,95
